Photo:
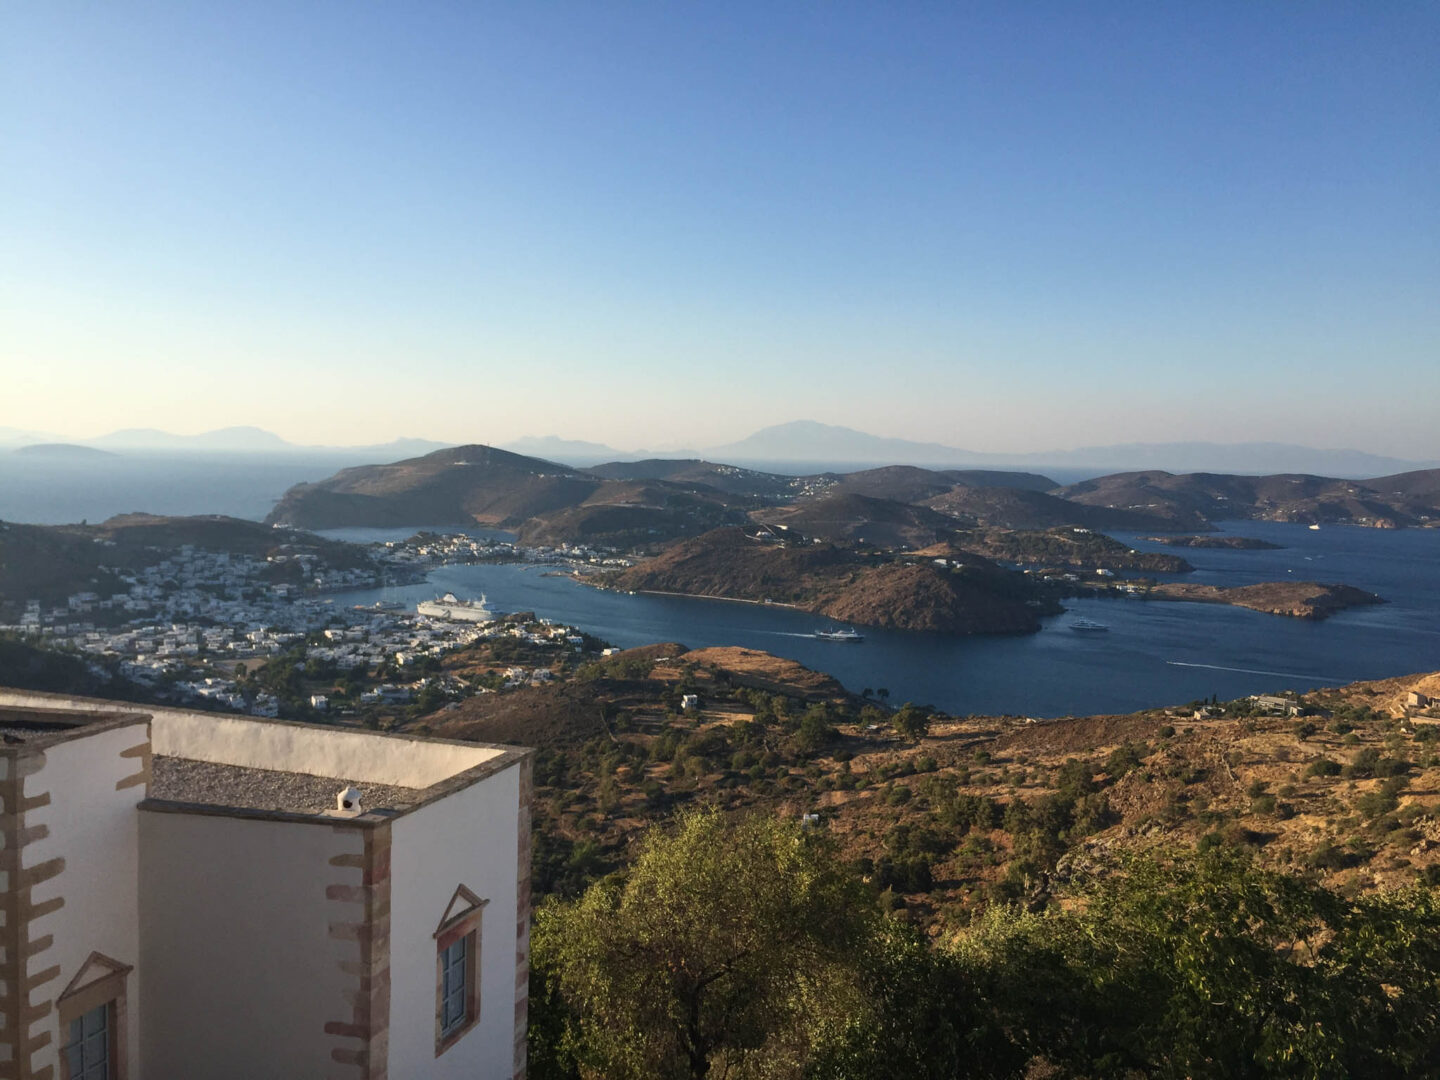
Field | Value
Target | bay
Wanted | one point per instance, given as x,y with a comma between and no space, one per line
1156,653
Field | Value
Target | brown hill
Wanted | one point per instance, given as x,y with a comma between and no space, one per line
1068,546
1408,500
978,810
1008,508
835,582
911,484
1421,484
635,514
1299,599
692,472
921,597
839,516
457,485
1231,543
1389,697
761,670
51,561
726,563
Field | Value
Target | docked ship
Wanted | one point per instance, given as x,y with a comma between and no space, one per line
839,635
1089,626
451,607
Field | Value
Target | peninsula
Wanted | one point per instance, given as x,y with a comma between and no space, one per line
979,597
1298,599
1231,543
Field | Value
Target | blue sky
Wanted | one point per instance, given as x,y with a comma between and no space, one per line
1003,227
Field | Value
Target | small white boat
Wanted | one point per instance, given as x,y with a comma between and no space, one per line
839,635
1089,626
1314,528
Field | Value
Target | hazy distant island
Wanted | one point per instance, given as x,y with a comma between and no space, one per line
63,450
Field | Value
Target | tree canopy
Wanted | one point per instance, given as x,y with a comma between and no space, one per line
719,949
747,949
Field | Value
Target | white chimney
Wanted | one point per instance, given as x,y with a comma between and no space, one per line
348,801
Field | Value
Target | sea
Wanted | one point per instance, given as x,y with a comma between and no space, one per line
1155,653
38,489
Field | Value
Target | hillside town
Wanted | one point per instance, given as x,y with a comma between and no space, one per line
191,627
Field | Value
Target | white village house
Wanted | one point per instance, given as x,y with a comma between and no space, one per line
198,895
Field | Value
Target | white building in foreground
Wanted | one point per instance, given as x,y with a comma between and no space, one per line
184,895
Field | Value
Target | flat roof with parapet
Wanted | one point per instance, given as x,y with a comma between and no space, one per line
36,728
178,779
232,764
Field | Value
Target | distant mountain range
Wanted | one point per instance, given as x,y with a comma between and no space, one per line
68,451
807,445
806,441
801,446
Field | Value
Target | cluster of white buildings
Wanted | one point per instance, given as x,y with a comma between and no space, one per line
195,603
177,618
430,549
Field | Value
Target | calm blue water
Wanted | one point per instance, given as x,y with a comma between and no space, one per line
1155,654
58,491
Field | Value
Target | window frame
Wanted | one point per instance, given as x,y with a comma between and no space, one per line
106,1010
77,1001
455,954
462,928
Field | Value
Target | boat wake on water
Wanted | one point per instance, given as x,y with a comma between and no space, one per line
1257,671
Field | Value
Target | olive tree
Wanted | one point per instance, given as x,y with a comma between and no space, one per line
723,948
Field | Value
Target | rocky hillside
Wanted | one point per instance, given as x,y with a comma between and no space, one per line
1070,547
1007,508
1387,502
841,516
461,484
1224,543
829,580
48,562
633,514
481,484
910,484
1298,599
730,479
923,597
952,814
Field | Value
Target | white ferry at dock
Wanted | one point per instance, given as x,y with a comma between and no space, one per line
454,609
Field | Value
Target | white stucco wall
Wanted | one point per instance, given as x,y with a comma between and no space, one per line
241,973
227,739
467,838
94,828
323,751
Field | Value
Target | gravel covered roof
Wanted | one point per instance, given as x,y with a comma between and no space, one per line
186,780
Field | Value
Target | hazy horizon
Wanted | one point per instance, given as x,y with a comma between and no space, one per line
1004,229
775,448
